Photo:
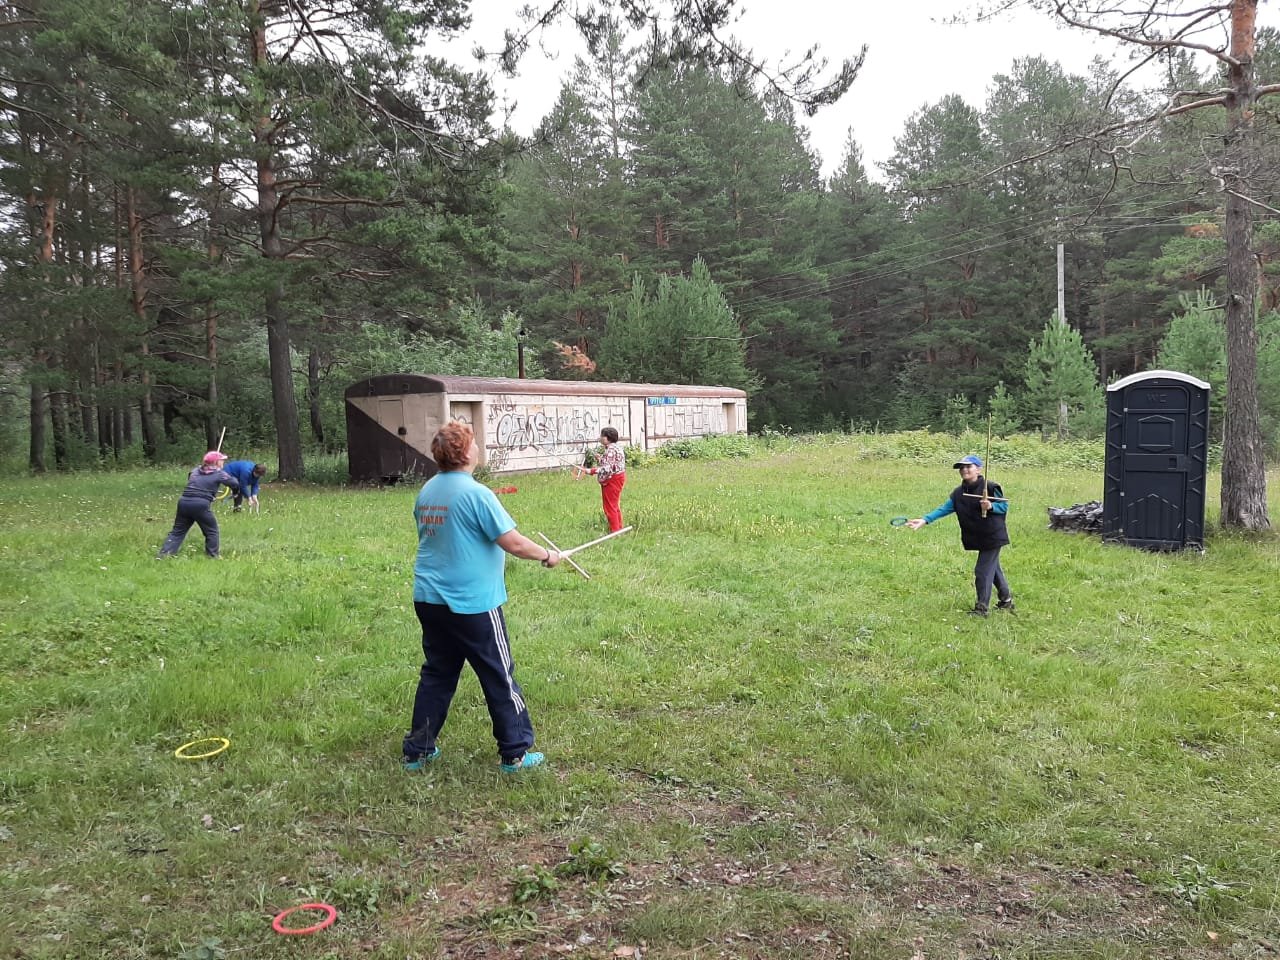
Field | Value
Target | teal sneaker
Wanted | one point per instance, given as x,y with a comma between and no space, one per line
527,762
420,763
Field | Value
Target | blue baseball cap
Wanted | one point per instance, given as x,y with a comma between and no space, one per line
969,461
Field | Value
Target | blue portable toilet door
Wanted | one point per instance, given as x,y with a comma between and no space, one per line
1162,454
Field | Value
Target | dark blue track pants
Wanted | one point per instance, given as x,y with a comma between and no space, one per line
192,511
448,641
987,572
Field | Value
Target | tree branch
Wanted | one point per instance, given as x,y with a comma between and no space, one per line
1175,41
1219,99
1256,203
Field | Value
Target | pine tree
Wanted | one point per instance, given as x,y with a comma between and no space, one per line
1061,380
684,332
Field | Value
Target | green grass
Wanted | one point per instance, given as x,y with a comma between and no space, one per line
772,731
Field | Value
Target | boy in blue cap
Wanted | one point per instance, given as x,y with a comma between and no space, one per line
980,507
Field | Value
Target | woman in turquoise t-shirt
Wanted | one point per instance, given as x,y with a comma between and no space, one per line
459,586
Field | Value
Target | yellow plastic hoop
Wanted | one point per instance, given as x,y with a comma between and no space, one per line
181,755
222,494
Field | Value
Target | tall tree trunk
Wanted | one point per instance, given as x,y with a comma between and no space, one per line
211,388
210,310
84,399
48,224
146,417
106,423
313,395
138,303
1103,359
169,413
36,457
111,428
119,411
84,362
1244,476
283,401
58,418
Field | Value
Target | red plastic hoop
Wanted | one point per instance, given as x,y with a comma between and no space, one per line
278,923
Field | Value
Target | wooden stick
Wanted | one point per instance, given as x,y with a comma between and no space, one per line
983,496
591,543
547,540
986,465
221,437
563,459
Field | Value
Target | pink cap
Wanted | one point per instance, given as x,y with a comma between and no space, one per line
213,456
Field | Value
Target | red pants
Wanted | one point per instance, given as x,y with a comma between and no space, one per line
611,497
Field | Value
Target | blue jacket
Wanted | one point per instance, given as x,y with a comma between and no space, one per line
242,470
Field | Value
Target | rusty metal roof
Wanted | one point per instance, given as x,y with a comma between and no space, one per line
393,384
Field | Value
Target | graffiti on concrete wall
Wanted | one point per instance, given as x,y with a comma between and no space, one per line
512,427
686,421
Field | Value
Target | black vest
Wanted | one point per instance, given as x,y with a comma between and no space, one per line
978,532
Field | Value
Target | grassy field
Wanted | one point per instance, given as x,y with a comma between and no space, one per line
771,729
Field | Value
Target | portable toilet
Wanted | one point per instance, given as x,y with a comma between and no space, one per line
1157,454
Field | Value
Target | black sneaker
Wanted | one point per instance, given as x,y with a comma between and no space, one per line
978,610
1006,605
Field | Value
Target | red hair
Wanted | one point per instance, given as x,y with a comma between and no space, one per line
452,445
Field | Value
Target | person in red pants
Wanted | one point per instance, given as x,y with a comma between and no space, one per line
611,471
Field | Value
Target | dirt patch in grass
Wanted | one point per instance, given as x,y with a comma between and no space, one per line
836,903
982,908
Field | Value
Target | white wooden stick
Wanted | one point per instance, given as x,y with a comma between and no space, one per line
548,542
565,460
592,543
222,436
983,496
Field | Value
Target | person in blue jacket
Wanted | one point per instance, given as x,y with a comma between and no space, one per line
981,509
248,474
196,505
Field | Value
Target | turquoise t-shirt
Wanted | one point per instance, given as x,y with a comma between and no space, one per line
459,563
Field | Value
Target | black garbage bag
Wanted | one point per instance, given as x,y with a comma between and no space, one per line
1079,518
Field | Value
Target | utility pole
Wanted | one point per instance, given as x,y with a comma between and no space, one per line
1062,319
1062,289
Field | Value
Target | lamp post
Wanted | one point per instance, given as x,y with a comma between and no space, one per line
521,333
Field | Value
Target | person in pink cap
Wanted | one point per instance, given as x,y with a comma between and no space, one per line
196,505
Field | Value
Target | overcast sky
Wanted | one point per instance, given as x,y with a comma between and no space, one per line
913,58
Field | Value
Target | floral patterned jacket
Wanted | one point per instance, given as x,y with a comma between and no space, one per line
612,462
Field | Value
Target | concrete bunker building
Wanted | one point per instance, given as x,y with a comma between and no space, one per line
522,425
